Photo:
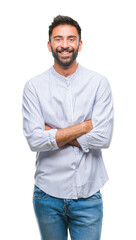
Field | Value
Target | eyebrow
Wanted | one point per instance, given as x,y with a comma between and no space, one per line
70,36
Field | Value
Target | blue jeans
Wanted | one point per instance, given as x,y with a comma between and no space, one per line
83,216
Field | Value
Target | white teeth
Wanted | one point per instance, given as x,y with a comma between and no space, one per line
64,52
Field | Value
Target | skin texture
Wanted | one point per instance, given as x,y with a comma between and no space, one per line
64,47
73,143
69,135
62,39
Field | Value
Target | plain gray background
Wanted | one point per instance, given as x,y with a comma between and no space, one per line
109,47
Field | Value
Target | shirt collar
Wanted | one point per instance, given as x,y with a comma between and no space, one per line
61,77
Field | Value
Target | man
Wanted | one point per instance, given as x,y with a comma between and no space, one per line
67,120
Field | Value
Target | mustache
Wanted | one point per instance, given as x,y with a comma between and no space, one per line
64,50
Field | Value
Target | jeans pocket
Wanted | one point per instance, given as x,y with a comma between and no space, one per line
96,197
38,194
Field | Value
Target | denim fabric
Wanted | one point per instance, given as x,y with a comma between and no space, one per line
83,216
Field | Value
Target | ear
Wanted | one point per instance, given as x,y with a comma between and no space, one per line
80,46
49,46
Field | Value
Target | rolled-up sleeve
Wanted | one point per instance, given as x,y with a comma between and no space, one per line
33,122
102,120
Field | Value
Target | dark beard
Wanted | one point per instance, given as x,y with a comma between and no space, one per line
66,63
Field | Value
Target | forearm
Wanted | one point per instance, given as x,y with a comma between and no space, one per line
70,134
75,143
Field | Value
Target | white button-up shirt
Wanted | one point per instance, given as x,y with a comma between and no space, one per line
68,172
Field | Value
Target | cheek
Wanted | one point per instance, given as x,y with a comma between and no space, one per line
56,46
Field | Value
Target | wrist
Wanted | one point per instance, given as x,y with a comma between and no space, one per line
84,127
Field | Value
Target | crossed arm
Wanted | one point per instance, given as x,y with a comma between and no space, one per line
82,135
68,135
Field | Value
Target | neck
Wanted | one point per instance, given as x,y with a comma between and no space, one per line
65,71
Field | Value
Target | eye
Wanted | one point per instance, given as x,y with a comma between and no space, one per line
58,39
71,39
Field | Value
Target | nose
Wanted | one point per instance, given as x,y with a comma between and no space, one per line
65,43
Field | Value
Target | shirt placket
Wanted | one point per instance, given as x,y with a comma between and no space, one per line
70,120
77,175
69,102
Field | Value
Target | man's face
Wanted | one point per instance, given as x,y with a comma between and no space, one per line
65,44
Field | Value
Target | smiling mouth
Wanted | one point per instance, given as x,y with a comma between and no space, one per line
64,53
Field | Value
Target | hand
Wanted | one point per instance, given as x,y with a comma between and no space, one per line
88,125
75,143
47,127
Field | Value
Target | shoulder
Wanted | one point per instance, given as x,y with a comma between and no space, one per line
91,73
93,76
38,79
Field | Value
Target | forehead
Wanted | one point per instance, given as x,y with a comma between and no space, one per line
64,30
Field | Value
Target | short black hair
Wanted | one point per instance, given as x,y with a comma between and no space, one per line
62,20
